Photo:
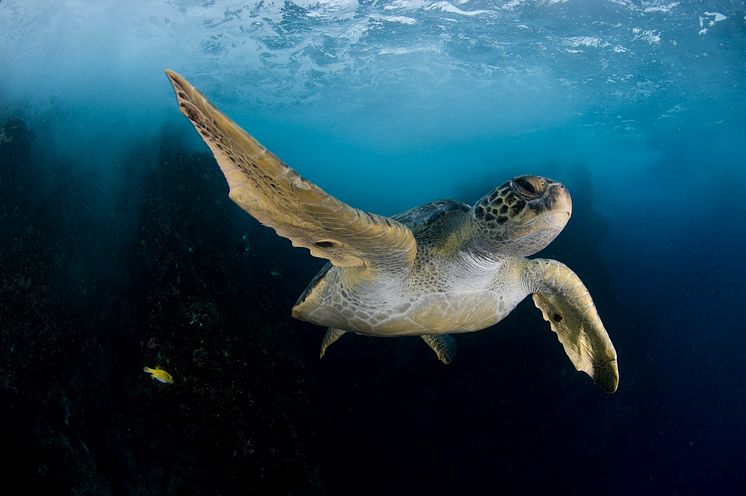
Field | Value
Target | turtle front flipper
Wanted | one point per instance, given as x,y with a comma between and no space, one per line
566,304
442,344
297,209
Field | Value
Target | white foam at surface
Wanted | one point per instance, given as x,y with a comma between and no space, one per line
624,3
652,36
661,8
326,4
587,41
406,5
399,19
512,4
452,9
405,51
260,53
708,20
716,17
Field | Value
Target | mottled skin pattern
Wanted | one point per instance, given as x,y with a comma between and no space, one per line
465,276
431,271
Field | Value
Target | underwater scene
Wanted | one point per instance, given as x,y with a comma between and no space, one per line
567,177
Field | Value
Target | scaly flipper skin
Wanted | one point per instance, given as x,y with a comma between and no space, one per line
332,336
566,304
442,344
280,198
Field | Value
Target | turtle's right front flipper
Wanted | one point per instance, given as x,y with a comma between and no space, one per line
297,209
566,304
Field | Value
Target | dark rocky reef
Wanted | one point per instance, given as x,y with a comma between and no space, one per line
182,289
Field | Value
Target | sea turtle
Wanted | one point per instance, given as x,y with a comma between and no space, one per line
432,271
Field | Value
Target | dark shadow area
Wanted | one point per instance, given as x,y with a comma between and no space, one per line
86,305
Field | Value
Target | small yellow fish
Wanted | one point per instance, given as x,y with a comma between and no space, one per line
159,375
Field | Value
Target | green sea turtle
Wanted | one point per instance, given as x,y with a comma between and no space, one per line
431,271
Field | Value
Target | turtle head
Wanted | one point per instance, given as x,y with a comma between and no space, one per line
521,216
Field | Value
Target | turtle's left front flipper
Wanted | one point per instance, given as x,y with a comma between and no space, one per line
278,197
566,304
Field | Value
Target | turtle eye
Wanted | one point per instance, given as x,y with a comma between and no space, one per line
524,187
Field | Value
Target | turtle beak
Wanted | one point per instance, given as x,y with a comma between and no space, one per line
558,200
546,195
552,195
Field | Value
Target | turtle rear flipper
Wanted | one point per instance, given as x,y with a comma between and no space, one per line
566,304
332,336
442,344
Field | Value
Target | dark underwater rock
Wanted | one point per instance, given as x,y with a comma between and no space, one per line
15,154
81,416
235,413
15,142
42,345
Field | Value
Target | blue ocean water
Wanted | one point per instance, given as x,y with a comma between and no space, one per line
120,248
